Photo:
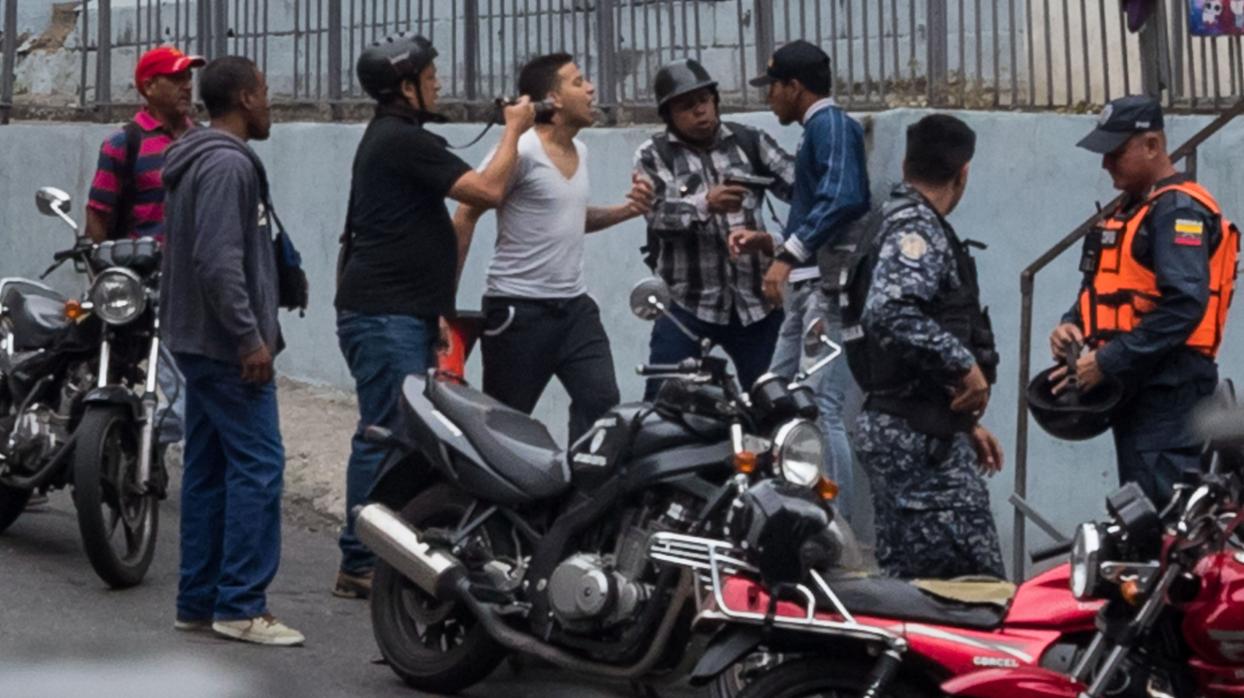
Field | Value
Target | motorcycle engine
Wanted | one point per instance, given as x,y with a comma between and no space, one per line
31,438
586,592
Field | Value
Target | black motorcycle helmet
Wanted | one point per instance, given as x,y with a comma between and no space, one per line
1072,415
383,65
679,78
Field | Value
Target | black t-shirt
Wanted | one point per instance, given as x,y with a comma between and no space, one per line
405,254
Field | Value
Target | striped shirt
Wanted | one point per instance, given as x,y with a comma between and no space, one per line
692,255
147,216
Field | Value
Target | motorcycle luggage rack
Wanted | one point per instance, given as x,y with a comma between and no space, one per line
718,559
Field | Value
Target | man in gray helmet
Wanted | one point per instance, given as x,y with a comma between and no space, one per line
693,167
399,256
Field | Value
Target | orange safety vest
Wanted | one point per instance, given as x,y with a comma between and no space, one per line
1122,290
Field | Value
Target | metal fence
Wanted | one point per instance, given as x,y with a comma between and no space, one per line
1028,54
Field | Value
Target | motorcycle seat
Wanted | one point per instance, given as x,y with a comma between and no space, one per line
899,599
519,448
37,319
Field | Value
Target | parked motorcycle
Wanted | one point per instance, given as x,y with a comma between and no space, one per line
1149,605
507,543
78,398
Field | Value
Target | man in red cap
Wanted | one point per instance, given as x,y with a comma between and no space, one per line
127,193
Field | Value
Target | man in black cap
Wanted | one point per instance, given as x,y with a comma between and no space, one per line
696,204
1159,272
399,258
831,191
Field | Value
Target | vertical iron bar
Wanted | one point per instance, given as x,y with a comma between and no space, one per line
635,52
673,25
10,56
1217,78
505,73
470,48
898,66
1084,47
1067,49
833,47
786,19
937,32
334,56
220,32
606,35
103,60
1019,523
742,52
1127,61
763,21
1151,57
979,44
963,61
699,40
86,50
648,72
1049,58
881,49
911,43
997,58
1105,53
1014,65
686,26
868,70
1032,55
850,36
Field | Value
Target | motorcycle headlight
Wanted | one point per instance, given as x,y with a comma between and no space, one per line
117,296
1085,561
798,451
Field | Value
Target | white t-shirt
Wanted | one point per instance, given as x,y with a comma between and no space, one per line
540,227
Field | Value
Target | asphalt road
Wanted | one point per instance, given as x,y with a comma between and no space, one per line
63,632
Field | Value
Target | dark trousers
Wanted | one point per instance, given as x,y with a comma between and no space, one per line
750,347
381,351
230,492
528,341
1153,442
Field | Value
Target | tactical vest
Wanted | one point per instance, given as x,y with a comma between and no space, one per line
894,386
1118,290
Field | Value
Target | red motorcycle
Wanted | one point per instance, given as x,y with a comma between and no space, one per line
1149,605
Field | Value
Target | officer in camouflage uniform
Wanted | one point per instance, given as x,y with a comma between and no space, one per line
927,362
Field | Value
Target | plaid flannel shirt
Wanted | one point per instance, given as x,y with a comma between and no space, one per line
692,255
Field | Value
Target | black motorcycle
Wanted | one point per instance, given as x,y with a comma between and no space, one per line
78,396
505,543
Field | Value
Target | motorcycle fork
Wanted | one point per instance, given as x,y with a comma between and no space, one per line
149,410
1145,618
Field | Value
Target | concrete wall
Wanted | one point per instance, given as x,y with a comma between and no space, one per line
1029,187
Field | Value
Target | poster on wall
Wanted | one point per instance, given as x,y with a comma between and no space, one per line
1216,17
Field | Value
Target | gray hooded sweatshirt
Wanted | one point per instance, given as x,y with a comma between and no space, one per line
218,284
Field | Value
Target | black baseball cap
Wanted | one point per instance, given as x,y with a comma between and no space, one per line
1122,119
798,60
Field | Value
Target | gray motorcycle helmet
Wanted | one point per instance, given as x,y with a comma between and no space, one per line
383,65
679,78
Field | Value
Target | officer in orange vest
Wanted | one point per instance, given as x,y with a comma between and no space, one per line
1159,271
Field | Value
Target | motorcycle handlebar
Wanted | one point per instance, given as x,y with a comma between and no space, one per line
685,366
1050,552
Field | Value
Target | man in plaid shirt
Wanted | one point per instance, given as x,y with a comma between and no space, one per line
715,296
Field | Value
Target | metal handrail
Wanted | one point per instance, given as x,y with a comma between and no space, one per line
1186,151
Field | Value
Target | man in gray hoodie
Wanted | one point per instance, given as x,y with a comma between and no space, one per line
218,314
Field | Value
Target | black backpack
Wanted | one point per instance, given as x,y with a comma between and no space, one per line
748,139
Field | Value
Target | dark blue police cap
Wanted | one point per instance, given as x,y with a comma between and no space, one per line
1120,120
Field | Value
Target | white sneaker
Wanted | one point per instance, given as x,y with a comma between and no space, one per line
264,630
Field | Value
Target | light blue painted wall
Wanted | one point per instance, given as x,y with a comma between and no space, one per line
1029,186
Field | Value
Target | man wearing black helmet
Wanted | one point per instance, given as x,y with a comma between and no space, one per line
399,254
695,207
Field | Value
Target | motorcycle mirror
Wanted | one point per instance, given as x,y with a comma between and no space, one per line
1220,426
650,298
52,201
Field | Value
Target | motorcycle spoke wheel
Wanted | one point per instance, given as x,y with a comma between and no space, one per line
117,519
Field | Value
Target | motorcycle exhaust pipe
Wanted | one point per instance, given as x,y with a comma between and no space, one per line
395,542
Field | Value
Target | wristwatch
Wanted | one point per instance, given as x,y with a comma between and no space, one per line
784,255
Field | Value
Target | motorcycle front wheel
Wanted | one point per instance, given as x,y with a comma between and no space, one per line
118,519
820,677
434,646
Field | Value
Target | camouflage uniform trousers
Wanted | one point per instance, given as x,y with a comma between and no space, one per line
932,507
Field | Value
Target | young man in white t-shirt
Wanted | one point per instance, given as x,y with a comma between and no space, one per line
539,320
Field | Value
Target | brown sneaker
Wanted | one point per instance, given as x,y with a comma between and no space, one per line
264,630
353,586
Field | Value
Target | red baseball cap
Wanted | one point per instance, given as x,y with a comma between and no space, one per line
164,60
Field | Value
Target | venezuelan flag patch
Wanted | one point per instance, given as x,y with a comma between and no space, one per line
1189,232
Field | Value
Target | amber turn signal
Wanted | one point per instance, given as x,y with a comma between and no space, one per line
745,462
74,309
1130,591
828,489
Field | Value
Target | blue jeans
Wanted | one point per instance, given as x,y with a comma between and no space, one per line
750,347
230,492
381,351
805,304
